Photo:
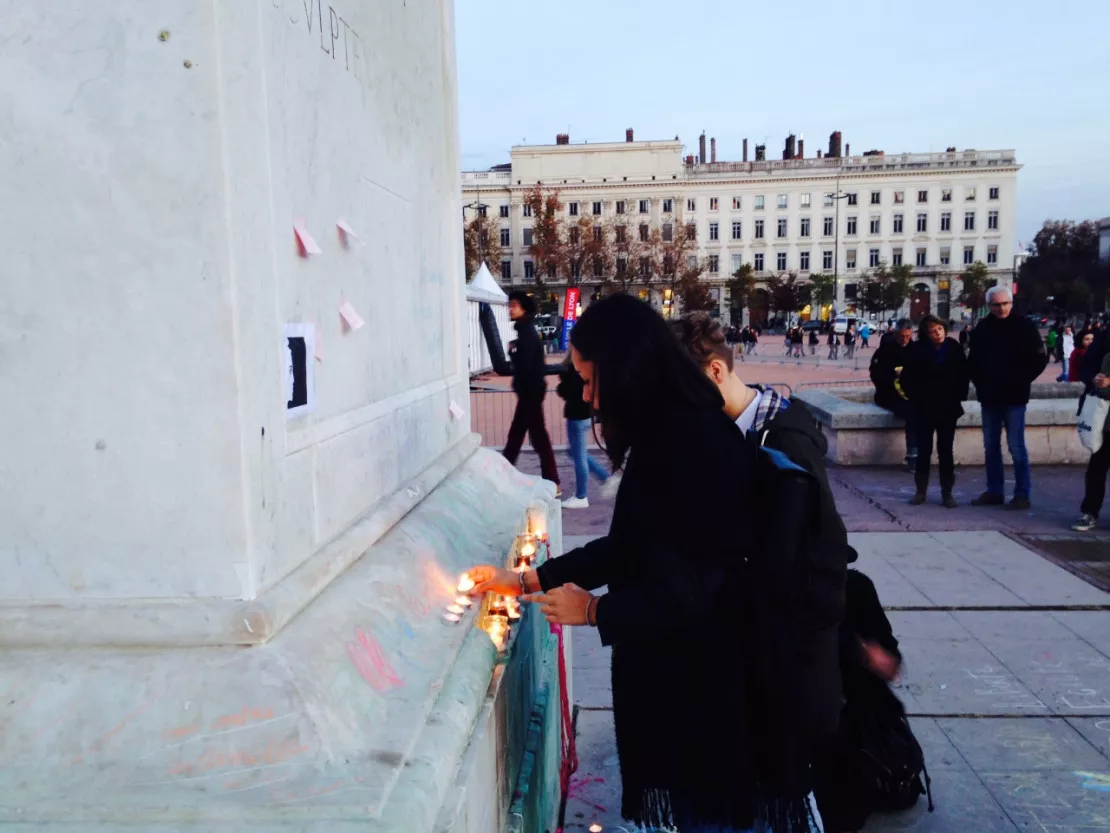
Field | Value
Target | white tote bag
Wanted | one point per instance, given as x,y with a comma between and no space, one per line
1092,422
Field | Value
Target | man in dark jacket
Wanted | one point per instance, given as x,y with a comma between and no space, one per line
529,371
886,367
1007,354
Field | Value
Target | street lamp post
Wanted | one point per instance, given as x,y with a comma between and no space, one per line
838,196
479,207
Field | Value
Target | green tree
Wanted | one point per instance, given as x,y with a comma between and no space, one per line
789,293
974,283
1063,266
821,289
741,288
897,288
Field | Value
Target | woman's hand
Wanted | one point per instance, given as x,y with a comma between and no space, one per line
879,661
564,605
1102,381
490,579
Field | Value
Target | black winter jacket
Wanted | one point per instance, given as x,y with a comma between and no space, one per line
935,380
885,365
570,389
526,363
1006,356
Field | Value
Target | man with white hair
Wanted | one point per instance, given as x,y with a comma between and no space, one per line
1006,355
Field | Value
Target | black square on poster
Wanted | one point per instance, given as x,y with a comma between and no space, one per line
298,353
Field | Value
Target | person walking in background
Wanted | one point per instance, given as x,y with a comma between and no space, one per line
864,335
529,371
1066,347
834,344
885,370
1094,372
850,341
797,338
1083,342
965,337
935,381
1005,357
814,341
1051,340
577,413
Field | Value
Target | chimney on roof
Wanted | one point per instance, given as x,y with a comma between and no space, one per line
788,151
818,153
834,144
847,150
562,139
690,161
701,147
801,148
712,150
745,150
950,150
761,153
628,135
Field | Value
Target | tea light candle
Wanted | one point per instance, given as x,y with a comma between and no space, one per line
465,601
466,583
458,610
451,617
537,521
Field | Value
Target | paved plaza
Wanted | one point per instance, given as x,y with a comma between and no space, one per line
1007,656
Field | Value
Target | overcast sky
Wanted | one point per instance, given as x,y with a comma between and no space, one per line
891,74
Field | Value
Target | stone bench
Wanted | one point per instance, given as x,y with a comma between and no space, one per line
860,433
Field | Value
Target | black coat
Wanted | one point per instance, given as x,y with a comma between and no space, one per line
526,363
675,562
570,389
865,620
935,380
1006,356
884,370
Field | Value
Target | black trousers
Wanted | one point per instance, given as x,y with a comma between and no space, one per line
1097,470
904,412
945,430
528,418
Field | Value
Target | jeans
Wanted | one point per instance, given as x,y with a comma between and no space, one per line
1097,470
585,464
945,430
528,418
1012,418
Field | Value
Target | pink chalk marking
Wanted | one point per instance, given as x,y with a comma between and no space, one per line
371,662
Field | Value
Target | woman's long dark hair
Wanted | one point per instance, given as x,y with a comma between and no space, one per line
639,370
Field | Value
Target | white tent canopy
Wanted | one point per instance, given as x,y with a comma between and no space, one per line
482,287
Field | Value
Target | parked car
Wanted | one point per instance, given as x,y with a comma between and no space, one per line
813,325
841,323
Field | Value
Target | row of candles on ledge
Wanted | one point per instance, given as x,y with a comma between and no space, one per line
498,612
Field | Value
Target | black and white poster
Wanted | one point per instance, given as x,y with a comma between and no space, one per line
300,382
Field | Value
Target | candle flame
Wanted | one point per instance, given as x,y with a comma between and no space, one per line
528,549
451,617
456,609
466,583
465,601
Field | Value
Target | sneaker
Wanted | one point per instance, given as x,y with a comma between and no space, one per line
610,487
576,503
1085,523
988,499
1020,504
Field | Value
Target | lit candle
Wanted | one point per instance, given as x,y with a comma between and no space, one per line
466,583
451,617
537,521
528,549
456,609
514,612
595,828
465,601
497,605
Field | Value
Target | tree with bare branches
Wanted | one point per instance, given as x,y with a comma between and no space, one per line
481,242
544,207
627,247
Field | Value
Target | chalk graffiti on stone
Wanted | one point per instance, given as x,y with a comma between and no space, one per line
371,662
338,35
1098,781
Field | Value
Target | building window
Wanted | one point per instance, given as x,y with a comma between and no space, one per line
827,227
622,234
921,257
622,267
876,197
737,262
714,264
922,222
668,206
645,232
529,270
645,267
572,209
829,200
852,199
922,196
850,259
899,197
851,291
946,221
994,192
896,257
780,261
597,209
992,220
526,210
969,195
782,201
691,231
736,230
576,270
737,203
945,256
759,261
668,232
874,225
969,221
527,237
620,206
712,203
873,258
851,225
504,211
713,232
806,200
573,235
599,235
946,195
758,229
803,261
826,259
507,271
599,267
897,223
506,237
758,202
969,255
645,206
691,204
992,254
805,227
782,227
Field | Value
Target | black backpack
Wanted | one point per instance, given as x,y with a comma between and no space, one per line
891,761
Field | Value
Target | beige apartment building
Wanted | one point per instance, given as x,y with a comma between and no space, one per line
829,213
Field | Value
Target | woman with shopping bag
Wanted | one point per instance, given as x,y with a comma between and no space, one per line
1093,428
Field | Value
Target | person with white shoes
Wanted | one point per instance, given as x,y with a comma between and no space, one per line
577,413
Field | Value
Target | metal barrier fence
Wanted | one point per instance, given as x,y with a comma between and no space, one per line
837,383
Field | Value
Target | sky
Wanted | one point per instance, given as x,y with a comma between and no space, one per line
896,75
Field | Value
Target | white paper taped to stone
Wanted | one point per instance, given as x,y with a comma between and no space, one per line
307,241
350,317
456,410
